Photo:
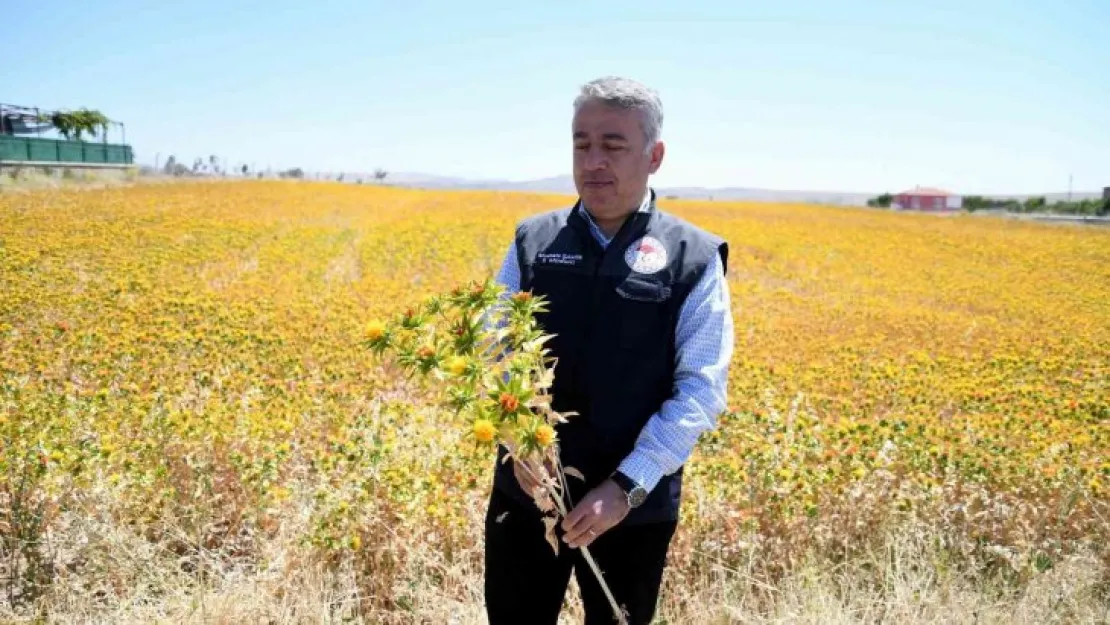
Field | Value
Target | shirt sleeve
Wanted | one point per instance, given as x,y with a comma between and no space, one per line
509,274
704,344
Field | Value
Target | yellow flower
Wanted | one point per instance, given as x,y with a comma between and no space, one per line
456,365
545,435
484,430
355,542
375,330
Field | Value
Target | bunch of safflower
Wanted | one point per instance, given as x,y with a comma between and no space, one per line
487,347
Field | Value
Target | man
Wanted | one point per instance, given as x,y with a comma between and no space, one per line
639,308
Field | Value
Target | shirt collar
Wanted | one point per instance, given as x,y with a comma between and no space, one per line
595,229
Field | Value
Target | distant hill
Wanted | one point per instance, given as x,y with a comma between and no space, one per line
840,198
565,185
555,184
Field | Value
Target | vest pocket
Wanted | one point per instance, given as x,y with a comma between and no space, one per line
643,291
643,309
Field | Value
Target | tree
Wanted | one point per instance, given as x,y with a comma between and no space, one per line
74,124
214,164
380,174
1097,207
173,168
977,202
882,201
245,168
1035,204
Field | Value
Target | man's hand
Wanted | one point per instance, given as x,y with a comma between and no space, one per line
601,509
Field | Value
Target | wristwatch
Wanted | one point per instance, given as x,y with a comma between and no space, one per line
633,491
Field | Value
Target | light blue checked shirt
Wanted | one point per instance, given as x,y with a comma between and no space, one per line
703,340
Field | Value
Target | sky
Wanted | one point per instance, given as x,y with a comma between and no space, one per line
976,96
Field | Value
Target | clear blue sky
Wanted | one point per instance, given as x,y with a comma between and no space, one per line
972,95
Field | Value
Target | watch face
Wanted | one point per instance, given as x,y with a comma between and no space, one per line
637,497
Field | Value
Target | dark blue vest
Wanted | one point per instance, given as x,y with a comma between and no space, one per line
613,312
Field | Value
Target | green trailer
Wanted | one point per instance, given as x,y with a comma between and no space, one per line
32,151
25,141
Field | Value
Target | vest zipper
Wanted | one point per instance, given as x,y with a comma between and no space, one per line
595,291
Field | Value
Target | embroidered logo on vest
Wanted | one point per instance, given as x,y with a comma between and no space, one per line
646,255
558,258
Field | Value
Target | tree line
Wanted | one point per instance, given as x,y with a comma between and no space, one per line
213,167
1099,207
1039,204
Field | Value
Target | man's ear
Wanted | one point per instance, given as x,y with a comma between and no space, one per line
657,152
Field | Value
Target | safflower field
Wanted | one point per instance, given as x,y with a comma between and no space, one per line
195,428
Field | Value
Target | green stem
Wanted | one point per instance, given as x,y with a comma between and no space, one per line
562,508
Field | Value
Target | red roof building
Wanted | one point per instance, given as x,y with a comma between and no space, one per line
927,199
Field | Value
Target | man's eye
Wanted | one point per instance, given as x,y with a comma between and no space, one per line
614,148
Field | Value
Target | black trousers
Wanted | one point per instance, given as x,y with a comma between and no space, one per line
526,582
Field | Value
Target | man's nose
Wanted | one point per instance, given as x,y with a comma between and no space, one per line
596,159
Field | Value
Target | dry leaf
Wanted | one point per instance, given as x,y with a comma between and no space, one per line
572,472
542,500
549,534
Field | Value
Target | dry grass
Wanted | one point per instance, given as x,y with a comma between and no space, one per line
23,179
109,574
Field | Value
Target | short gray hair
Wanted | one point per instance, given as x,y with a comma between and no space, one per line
626,93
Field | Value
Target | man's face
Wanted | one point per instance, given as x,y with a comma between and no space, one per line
611,164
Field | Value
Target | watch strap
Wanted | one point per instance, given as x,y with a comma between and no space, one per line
626,483
633,492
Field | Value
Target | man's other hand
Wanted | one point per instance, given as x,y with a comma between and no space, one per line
601,509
